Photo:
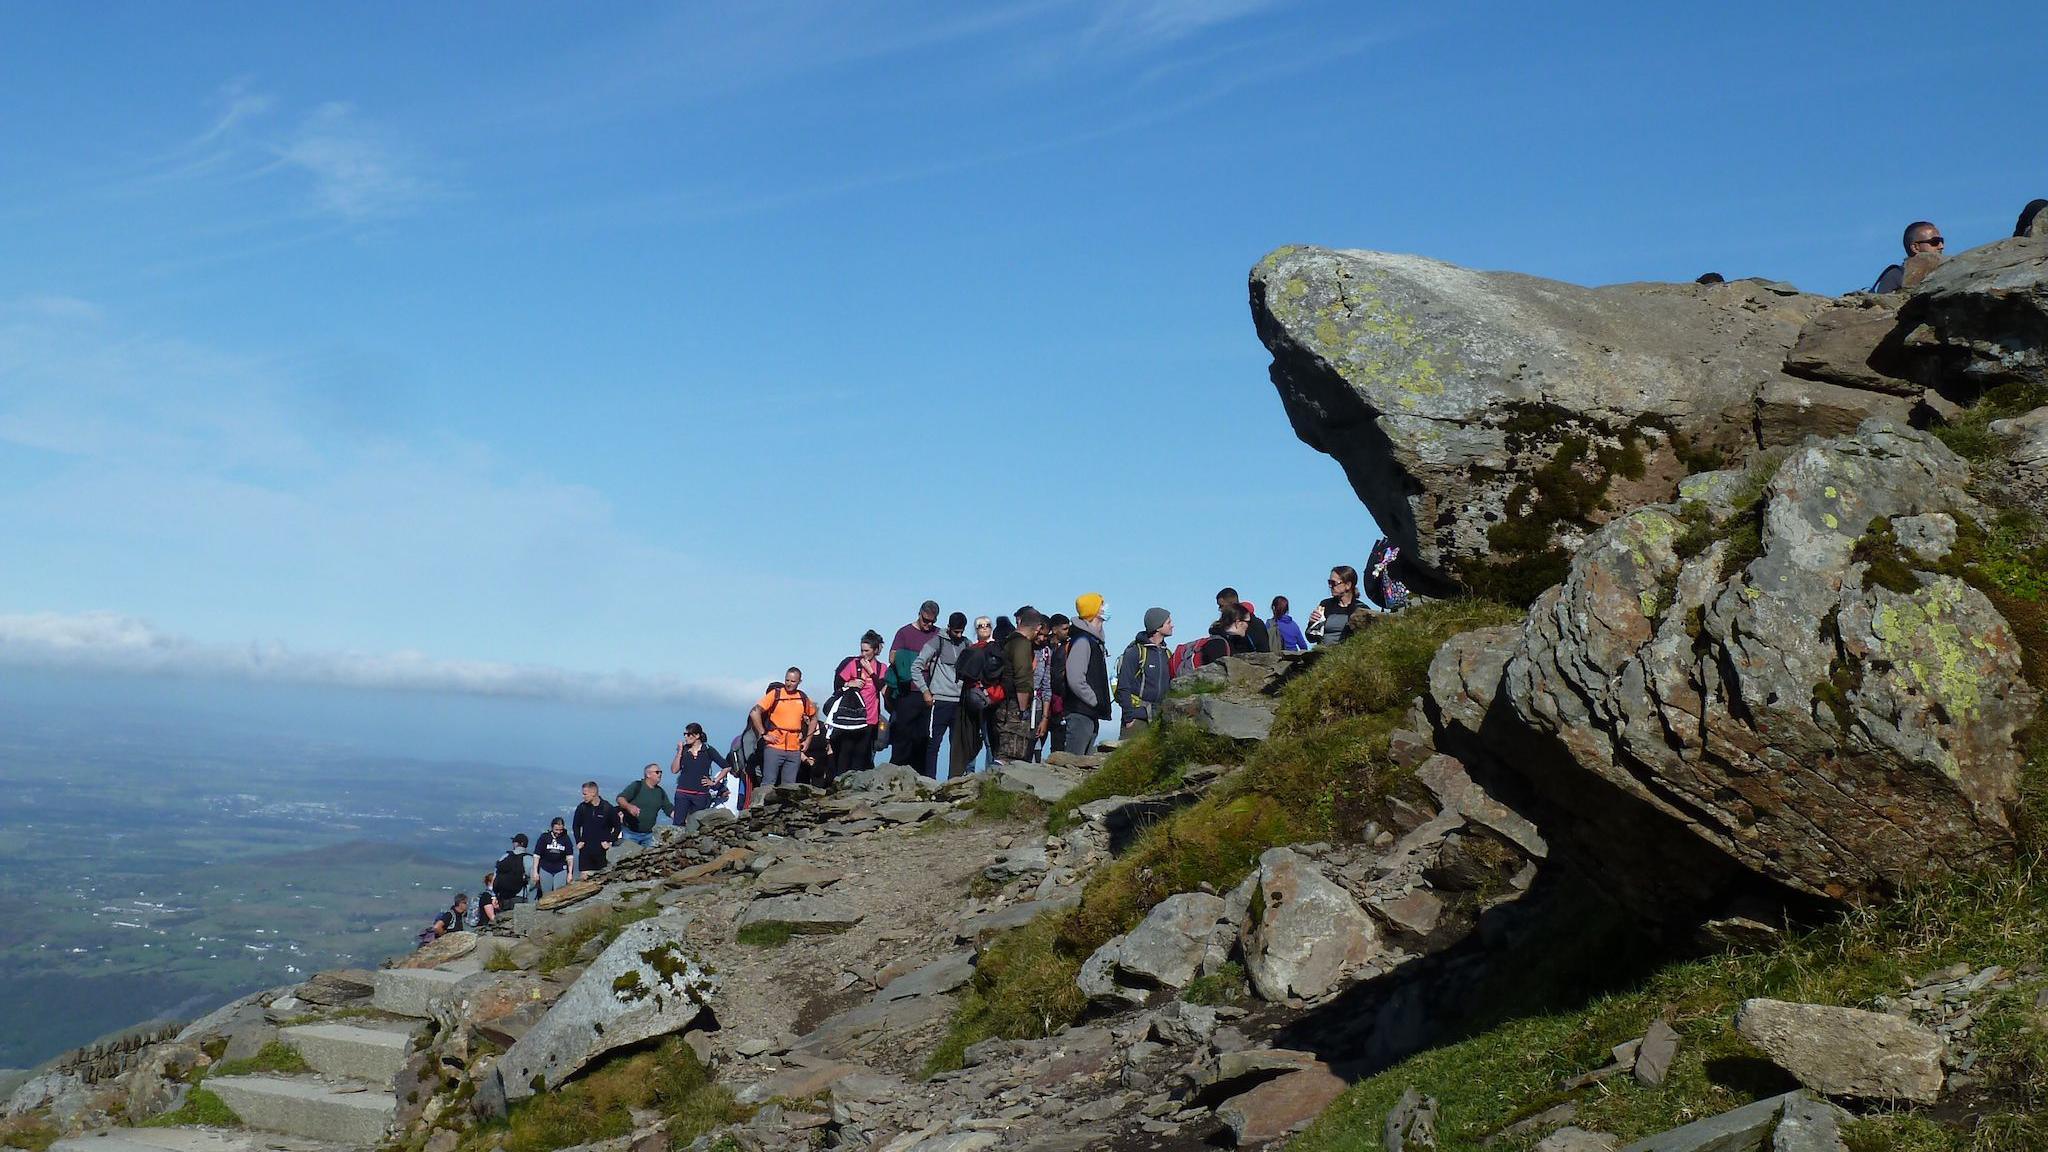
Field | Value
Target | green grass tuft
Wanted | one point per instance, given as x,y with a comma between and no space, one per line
201,1108
276,1056
500,960
561,951
599,1104
1226,985
31,1131
1002,805
1969,435
1150,761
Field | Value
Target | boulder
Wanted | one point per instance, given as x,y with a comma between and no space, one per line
337,988
888,780
1279,1106
804,911
644,986
1846,1052
1654,1055
1490,419
1045,781
794,876
1234,718
1308,934
573,892
1854,344
1812,723
1411,1123
1981,319
453,946
1744,1129
1164,951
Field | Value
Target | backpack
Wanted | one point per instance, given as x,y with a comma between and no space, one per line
1059,669
776,696
844,711
745,752
1188,657
1381,588
511,872
980,669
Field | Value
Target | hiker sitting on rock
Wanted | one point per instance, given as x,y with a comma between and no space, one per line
1921,238
643,801
450,920
1284,627
486,904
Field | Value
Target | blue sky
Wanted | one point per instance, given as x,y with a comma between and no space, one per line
635,351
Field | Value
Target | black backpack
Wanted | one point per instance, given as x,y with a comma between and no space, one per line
1058,669
511,874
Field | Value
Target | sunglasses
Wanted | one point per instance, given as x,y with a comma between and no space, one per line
1933,241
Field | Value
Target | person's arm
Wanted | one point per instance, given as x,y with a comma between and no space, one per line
627,806
810,724
920,674
1018,656
675,763
1077,672
758,721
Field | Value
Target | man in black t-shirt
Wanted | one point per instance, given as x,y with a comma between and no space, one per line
450,920
595,828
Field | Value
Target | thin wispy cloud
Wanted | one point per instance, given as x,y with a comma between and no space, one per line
109,642
344,164
1141,24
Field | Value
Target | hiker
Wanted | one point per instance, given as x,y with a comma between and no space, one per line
980,683
786,719
908,713
1920,236
1284,627
854,714
554,858
1041,687
1230,635
641,804
1330,621
935,676
513,874
450,920
1142,673
2028,215
1011,723
1085,702
1228,599
1058,631
486,904
698,769
596,829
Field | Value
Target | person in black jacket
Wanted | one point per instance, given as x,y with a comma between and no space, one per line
699,769
596,829
513,874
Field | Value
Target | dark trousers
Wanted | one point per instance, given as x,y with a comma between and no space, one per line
907,726
941,720
1011,732
970,736
852,751
688,802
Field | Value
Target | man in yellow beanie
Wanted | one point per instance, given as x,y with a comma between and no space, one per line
1085,697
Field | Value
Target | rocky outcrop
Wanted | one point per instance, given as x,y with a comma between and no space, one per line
1490,420
1981,319
1307,933
1780,665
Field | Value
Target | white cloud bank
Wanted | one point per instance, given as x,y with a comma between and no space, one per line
112,642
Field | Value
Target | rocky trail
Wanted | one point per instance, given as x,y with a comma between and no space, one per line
1717,827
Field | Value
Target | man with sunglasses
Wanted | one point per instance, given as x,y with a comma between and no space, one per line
1921,237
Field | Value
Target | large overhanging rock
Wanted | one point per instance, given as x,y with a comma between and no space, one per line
1981,319
1819,702
1490,420
643,986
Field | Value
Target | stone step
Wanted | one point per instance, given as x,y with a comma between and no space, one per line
348,1111
409,991
191,1140
375,1055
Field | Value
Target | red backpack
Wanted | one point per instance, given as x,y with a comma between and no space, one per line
1187,657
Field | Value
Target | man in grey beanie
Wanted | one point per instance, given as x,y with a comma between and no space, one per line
1141,675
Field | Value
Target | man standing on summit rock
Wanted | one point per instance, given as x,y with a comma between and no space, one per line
907,707
1085,696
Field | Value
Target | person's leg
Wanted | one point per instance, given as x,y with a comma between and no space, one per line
907,721
1012,733
938,722
864,751
779,766
1080,737
643,839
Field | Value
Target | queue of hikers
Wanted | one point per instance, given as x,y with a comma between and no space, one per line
1014,687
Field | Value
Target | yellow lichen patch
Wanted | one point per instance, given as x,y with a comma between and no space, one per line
1914,627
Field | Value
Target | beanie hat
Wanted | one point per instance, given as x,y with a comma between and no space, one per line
957,621
1088,605
1156,618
